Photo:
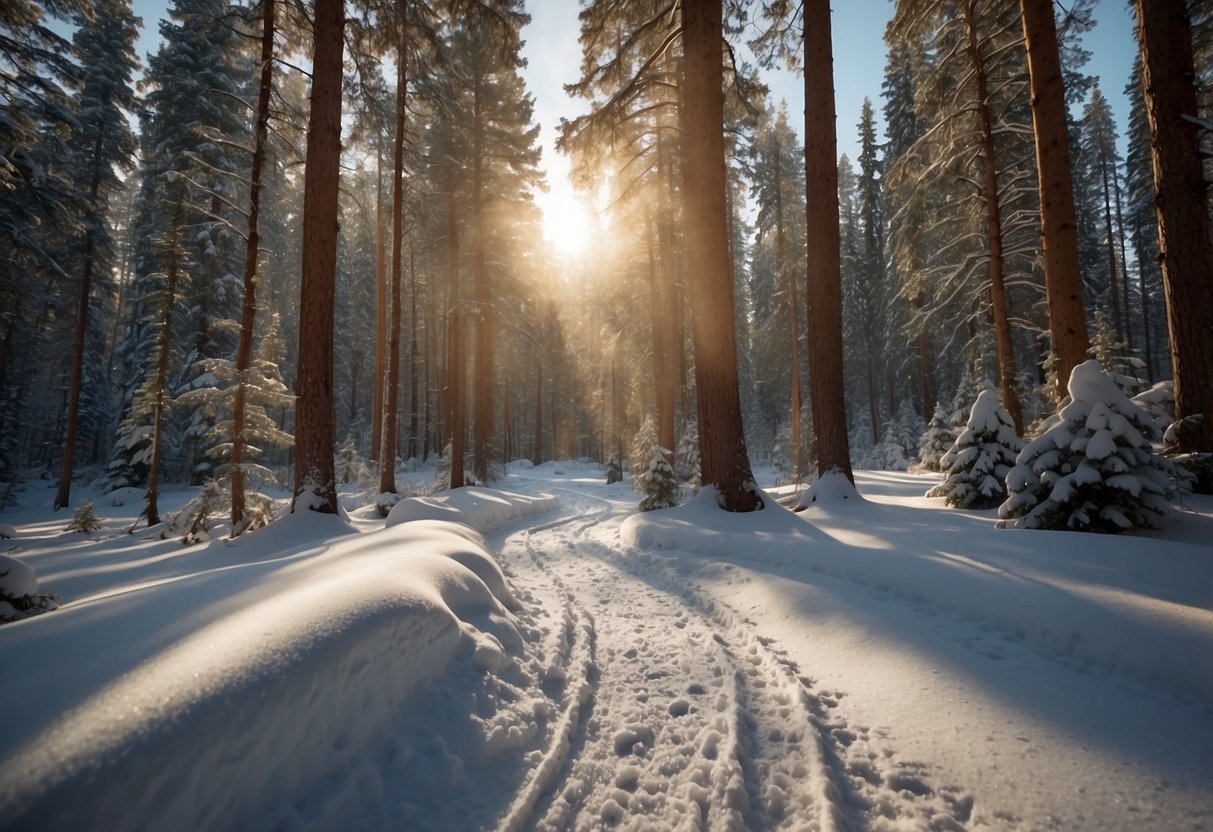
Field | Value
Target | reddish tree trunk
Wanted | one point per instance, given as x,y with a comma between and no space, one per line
1063,278
824,279
1181,205
314,406
725,464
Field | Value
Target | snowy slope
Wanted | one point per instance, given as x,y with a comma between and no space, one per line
500,660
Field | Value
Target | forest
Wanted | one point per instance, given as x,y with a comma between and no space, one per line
308,233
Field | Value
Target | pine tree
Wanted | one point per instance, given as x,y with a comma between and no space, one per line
614,471
658,483
938,438
976,465
687,457
102,146
85,519
1093,469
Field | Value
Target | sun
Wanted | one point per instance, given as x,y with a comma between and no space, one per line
567,221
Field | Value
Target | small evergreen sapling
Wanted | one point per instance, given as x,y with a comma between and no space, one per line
1093,469
658,483
614,471
936,441
687,458
85,520
642,445
976,465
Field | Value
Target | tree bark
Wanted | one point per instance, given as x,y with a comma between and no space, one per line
725,464
248,311
63,497
391,404
666,331
455,338
824,278
314,407
482,422
164,342
1181,207
414,358
380,316
998,292
1063,277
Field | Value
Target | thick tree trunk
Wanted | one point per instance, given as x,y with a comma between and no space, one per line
314,407
1181,206
1063,278
725,464
248,310
998,292
824,279
391,404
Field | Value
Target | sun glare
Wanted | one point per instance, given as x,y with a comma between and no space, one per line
567,221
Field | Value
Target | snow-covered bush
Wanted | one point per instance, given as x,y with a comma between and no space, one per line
978,461
936,441
1159,402
1116,358
889,455
686,460
658,483
614,471
19,596
641,450
85,520
1094,468
351,467
195,519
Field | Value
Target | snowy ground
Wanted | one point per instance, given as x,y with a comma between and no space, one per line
566,664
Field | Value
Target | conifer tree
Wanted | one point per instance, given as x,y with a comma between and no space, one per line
658,483
976,465
102,146
1093,469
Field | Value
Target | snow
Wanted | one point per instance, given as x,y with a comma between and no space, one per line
542,656
16,576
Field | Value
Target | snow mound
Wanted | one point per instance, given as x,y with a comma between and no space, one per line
7,532
17,578
834,489
484,509
703,527
264,679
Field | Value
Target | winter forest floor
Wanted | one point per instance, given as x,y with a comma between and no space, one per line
566,663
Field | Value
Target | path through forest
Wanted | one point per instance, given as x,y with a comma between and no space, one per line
677,711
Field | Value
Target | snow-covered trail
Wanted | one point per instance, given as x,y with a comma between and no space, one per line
678,714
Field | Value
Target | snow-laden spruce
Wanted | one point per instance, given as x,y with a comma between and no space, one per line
1093,469
658,483
936,441
978,461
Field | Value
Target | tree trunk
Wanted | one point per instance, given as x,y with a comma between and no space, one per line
1114,277
538,454
666,331
824,279
314,407
1063,277
455,339
482,423
63,497
1181,206
1124,259
391,404
164,343
1139,253
414,408
248,311
380,316
787,284
725,464
998,293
